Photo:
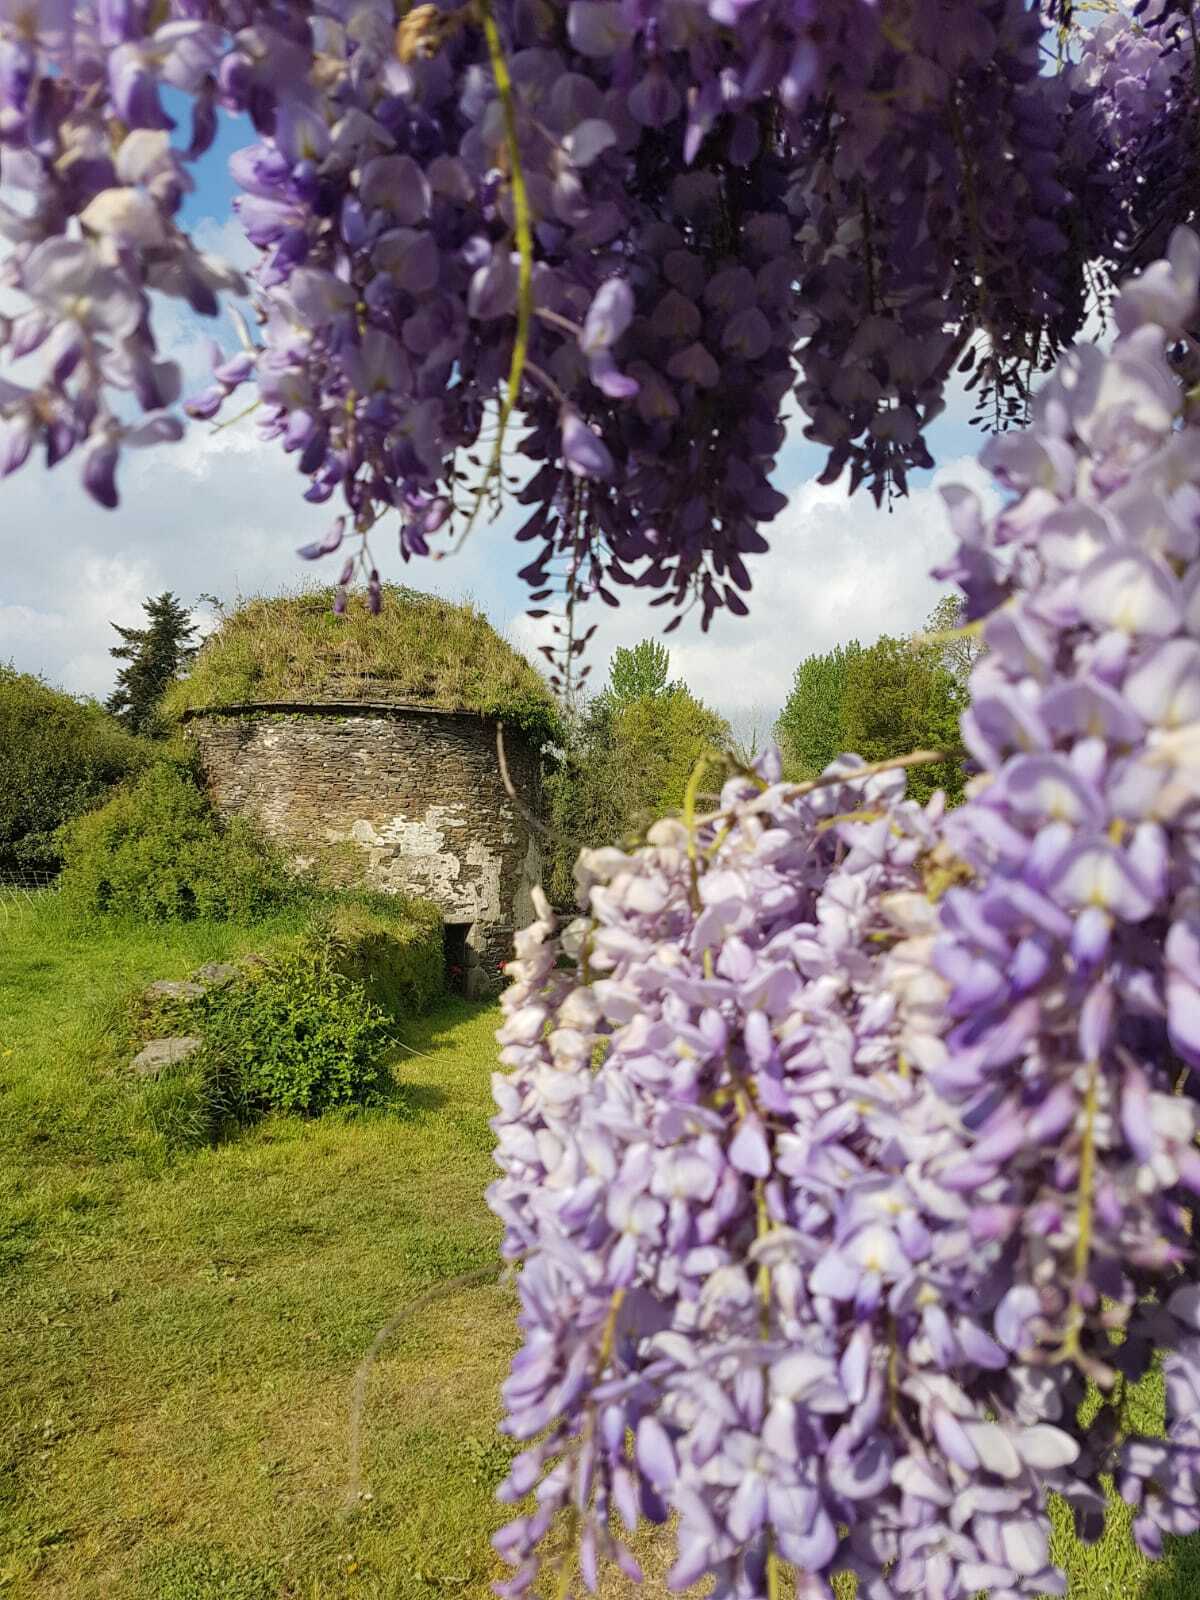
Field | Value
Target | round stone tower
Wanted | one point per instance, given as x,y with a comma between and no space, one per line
369,748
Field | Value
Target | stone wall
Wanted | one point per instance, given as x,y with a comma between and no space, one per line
411,800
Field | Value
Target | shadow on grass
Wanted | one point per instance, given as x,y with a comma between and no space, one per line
397,1099
1177,1577
414,1099
438,1028
17,972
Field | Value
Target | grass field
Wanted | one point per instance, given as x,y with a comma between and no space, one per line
179,1333
179,1337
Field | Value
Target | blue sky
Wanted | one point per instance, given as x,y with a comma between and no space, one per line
215,189
222,512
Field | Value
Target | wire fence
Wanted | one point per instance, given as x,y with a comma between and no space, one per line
21,889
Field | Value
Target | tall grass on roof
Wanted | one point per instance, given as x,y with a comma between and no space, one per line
419,651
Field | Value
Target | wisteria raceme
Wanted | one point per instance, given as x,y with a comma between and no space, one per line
843,1143
750,1297
650,220
1135,84
1072,956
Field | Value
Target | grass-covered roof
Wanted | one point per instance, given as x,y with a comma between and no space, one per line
419,651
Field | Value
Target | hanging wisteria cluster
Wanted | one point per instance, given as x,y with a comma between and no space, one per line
620,232
1140,81
846,1142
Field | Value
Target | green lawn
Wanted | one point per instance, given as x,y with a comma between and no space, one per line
179,1331
178,1337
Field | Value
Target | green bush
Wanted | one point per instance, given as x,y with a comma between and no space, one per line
293,1034
392,946
58,755
304,1025
157,852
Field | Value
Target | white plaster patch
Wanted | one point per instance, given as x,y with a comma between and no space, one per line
478,855
415,855
426,837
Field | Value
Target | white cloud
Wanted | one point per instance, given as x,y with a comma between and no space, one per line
838,569
220,512
226,239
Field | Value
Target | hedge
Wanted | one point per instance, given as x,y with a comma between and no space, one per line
58,756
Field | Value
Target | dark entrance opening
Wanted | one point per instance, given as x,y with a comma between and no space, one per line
454,947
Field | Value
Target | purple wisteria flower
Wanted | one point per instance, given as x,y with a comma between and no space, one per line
839,1136
739,1249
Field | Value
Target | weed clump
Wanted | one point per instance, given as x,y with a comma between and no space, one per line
304,1027
295,1034
420,650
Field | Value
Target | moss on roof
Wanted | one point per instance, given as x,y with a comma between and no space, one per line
419,651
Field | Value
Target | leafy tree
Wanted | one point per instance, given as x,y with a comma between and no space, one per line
898,696
58,756
809,729
628,760
156,654
640,673
657,741
960,652
881,700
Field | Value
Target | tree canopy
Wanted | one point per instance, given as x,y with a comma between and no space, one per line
809,728
629,758
882,700
639,673
957,642
897,696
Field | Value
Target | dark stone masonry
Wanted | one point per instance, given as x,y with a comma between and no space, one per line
401,799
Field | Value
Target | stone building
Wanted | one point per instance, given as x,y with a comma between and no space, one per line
340,762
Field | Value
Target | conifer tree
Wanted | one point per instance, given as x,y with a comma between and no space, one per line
155,654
